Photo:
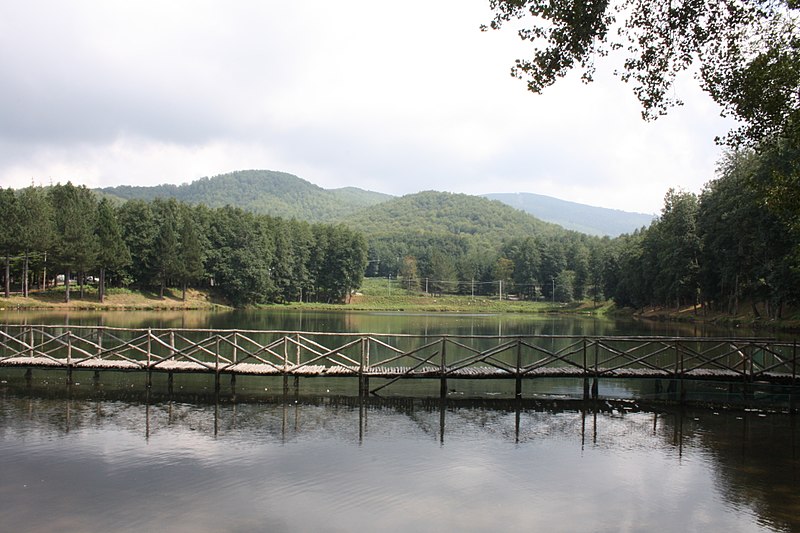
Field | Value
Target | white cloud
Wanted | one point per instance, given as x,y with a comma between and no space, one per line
391,97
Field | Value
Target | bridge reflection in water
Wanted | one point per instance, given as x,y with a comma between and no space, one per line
389,358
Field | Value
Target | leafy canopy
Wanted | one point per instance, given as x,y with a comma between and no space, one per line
747,52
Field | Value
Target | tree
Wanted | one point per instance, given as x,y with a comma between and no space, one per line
409,273
525,255
441,271
35,227
113,253
748,52
166,243
76,247
191,250
503,272
674,242
338,261
239,258
565,286
139,229
8,237
776,180
748,248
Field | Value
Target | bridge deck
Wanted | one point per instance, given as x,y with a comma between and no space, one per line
395,357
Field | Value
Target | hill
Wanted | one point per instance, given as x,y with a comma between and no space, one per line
432,213
260,191
578,217
288,196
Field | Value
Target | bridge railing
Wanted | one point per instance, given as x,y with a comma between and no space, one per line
395,355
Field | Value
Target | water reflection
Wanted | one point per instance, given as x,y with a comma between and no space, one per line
373,322
201,461
266,455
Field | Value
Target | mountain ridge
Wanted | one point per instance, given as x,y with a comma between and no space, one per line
285,195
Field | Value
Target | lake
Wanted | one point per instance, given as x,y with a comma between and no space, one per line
114,455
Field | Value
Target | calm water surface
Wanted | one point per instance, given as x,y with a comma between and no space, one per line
113,456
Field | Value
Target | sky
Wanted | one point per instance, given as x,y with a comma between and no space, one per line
394,97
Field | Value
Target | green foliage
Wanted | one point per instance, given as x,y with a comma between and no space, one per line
748,52
260,191
113,253
192,249
76,244
732,244
338,262
140,230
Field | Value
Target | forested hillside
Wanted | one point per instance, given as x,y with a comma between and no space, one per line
285,195
244,257
432,213
260,191
578,217
736,243
465,244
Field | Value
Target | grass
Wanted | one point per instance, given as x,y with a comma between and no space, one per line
116,299
377,294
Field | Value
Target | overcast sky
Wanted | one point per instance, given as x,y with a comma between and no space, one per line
393,97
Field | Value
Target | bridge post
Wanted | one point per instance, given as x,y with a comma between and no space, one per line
149,358
216,366
595,384
362,385
518,388
682,384
585,373
69,358
443,369
792,406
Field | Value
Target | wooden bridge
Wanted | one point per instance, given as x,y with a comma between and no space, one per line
388,358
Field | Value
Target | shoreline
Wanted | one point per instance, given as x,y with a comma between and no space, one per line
395,301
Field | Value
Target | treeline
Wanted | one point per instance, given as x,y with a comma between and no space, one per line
562,267
246,258
738,241
456,243
260,191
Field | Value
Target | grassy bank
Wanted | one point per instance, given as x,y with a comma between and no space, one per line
374,295
116,299
378,294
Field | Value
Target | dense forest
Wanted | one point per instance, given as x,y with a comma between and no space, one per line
265,192
64,232
456,243
737,243
285,195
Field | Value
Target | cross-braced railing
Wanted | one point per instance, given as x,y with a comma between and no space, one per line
394,356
